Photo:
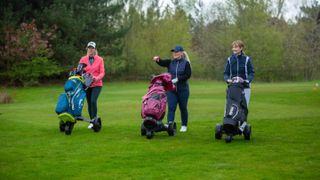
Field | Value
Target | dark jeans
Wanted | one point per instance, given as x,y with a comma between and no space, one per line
92,97
178,97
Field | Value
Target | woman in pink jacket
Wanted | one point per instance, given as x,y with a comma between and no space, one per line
95,67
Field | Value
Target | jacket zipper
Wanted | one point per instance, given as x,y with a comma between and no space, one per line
237,66
177,76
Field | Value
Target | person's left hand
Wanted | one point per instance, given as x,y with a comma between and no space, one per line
175,80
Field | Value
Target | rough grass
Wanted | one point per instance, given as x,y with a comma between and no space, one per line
5,98
285,143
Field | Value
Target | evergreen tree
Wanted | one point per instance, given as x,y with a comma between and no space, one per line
81,21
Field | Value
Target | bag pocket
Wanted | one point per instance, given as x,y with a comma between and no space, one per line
63,104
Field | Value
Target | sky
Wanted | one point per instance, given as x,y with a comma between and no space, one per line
291,7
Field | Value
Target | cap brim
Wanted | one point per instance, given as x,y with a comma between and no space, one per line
172,50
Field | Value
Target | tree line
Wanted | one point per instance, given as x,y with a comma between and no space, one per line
42,40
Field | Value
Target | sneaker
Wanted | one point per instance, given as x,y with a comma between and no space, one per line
90,126
183,129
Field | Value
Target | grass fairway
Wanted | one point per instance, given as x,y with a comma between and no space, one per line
285,142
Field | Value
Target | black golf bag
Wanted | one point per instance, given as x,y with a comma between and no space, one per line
235,115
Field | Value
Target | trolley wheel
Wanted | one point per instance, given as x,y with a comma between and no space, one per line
97,124
247,132
149,134
68,128
62,126
143,130
228,139
218,132
172,128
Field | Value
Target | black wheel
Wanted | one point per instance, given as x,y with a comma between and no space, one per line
68,128
62,126
172,128
149,134
247,132
97,125
218,132
228,139
143,130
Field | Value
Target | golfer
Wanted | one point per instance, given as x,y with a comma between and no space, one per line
95,67
180,70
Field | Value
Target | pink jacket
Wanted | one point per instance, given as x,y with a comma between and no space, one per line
96,69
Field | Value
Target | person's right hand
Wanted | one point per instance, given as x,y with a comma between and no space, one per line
156,58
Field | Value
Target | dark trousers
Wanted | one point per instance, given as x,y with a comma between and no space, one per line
178,97
92,97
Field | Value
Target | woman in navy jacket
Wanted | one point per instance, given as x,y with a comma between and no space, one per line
180,70
239,65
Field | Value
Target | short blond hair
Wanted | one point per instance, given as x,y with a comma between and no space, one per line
238,43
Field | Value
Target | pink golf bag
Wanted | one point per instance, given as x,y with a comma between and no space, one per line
154,104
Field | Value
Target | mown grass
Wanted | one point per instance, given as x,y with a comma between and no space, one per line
285,119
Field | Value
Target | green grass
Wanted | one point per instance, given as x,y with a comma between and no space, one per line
285,119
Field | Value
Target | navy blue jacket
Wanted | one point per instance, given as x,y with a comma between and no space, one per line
239,65
178,68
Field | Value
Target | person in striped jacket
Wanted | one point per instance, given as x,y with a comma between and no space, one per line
239,65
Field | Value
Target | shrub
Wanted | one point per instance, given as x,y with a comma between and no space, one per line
29,72
25,53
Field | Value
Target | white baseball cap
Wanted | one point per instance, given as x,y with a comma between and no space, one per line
91,44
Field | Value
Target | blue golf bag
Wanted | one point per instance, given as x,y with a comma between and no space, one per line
70,103
72,100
